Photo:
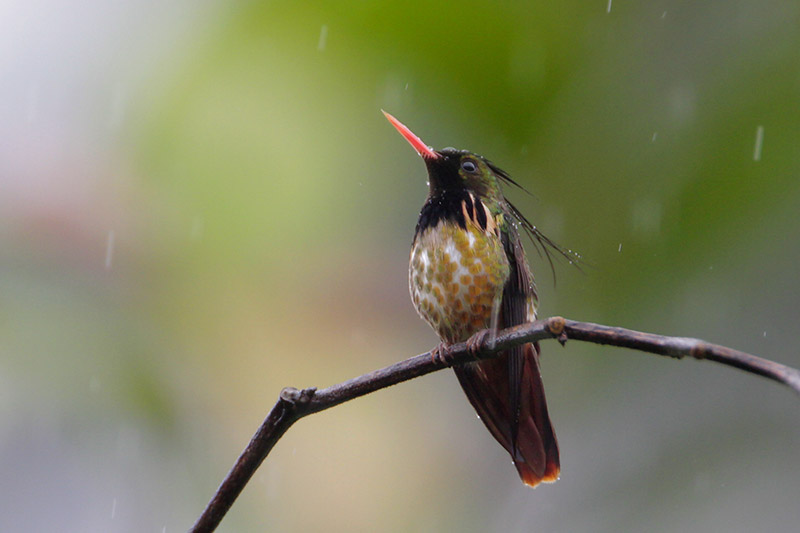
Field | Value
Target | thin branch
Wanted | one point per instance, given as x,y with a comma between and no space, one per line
294,404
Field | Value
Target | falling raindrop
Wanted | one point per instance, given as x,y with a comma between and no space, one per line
759,141
682,102
655,135
608,9
494,322
109,248
113,509
620,247
646,218
323,38
664,15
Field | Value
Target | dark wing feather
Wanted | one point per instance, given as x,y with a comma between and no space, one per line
515,304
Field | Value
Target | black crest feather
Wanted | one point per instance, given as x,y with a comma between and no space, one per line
545,246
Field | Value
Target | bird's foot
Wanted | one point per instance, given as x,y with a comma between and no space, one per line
441,355
479,341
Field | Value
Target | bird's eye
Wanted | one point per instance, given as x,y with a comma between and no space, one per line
469,165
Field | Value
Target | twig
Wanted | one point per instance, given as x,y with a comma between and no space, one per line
294,404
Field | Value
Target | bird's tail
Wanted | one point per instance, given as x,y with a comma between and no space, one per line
533,445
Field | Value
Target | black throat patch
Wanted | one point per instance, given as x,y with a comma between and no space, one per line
450,206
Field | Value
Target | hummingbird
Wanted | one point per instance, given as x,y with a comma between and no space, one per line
468,277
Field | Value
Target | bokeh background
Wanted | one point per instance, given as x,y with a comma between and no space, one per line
201,203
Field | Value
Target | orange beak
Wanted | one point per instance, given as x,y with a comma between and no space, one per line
425,151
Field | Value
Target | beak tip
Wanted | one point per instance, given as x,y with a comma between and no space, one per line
425,151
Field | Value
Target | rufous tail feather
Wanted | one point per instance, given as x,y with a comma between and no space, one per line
486,384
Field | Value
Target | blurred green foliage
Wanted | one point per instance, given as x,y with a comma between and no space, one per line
263,211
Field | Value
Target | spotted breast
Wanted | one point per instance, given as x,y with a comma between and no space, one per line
457,271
